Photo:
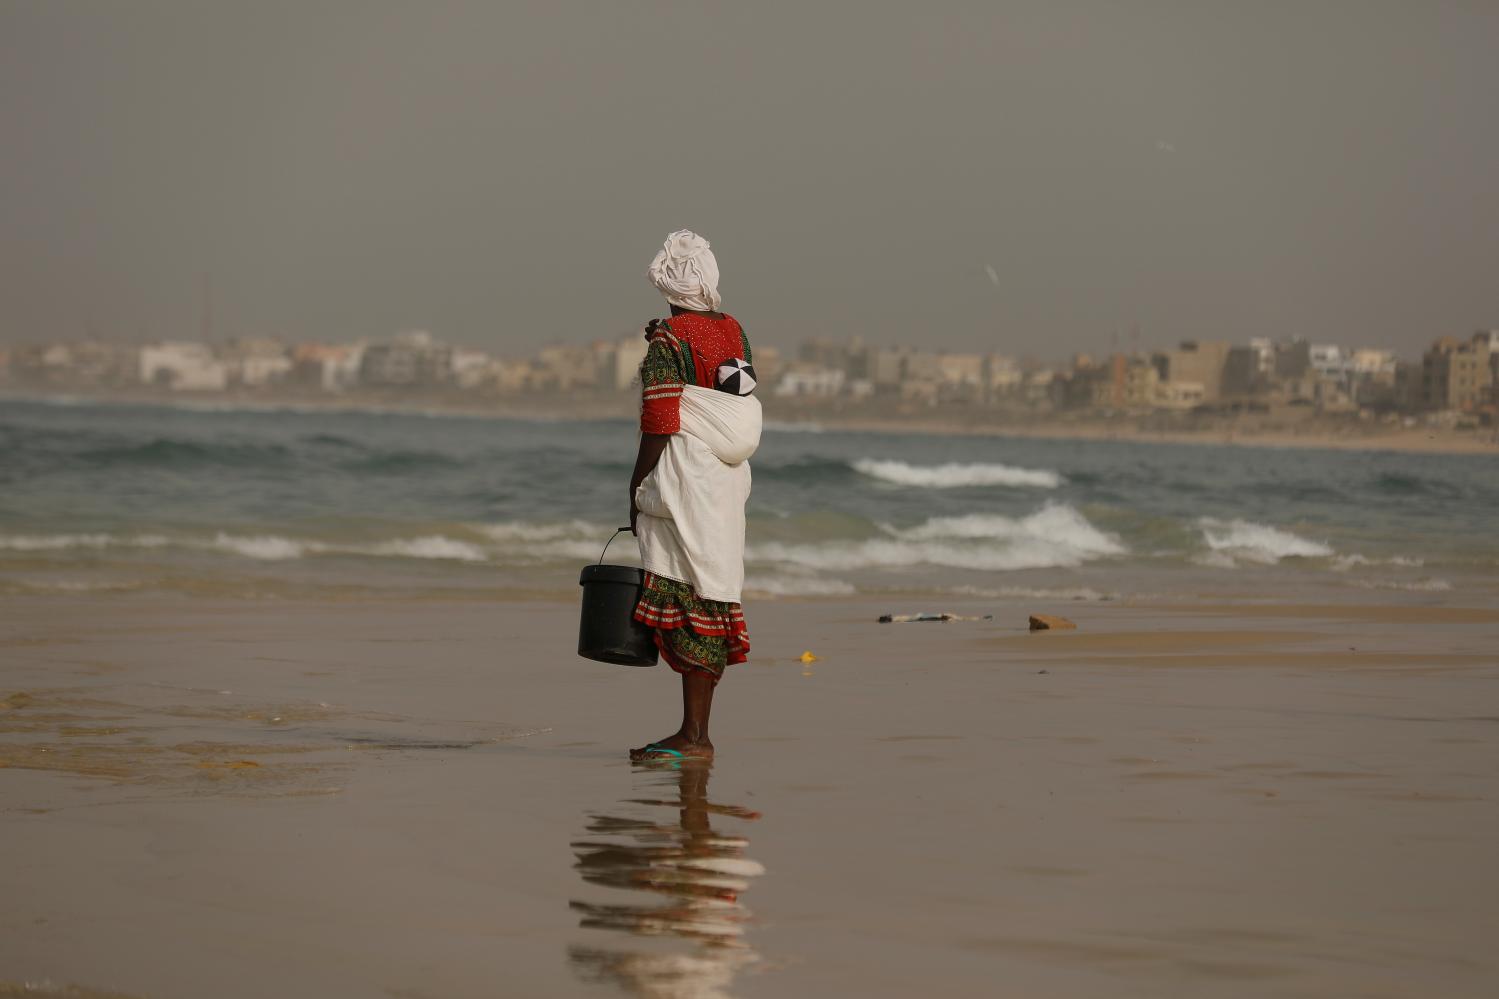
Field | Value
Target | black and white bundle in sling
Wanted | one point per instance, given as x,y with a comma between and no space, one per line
736,376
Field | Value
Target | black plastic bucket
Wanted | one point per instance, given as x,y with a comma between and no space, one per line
607,630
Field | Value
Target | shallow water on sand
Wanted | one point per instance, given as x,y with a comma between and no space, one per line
343,799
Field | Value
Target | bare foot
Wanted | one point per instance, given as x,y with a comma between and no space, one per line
694,749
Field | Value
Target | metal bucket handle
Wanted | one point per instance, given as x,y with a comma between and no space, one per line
610,542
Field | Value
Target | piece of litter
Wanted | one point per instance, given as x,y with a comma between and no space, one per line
921,617
807,657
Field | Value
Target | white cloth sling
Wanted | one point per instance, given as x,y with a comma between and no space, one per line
691,525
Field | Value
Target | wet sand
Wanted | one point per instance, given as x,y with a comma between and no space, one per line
426,800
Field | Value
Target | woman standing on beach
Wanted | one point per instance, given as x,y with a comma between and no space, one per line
699,424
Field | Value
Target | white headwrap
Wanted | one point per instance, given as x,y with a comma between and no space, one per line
686,272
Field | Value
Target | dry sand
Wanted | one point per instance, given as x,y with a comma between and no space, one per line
432,800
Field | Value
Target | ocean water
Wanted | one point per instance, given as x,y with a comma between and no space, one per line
282,504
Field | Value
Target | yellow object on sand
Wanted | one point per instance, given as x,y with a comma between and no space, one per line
808,657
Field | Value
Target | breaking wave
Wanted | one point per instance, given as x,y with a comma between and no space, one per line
262,547
64,542
433,546
1055,536
1413,586
270,547
1235,541
954,475
1343,563
525,531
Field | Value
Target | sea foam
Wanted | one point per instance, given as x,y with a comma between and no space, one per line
954,475
268,547
527,531
64,542
1054,536
1233,541
432,546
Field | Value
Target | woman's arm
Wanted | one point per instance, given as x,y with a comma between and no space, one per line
651,448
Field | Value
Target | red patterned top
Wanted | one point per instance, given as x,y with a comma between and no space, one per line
684,350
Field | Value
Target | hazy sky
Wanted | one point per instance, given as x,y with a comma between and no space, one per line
501,173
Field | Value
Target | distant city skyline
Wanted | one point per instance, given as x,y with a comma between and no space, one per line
1455,380
1024,178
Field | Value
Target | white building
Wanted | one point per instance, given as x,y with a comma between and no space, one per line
330,368
1372,361
183,367
470,367
1328,360
628,353
260,369
1264,354
810,380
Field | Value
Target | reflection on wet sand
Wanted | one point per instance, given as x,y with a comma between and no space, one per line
696,875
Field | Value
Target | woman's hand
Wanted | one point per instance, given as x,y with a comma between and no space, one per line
651,447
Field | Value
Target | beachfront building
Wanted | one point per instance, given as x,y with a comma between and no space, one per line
470,367
88,364
1458,374
885,367
1246,372
1327,360
805,380
1293,358
255,362
1123,382
330,368
413,360
624,363
1002,377
567,367
1195,363
1179,395
768,363
960,378
183,366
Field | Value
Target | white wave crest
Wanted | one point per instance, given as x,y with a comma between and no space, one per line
528,541
1055,522
269,547
1054,536
1343,563
433,546
791,586
63,542
1233,541
74,586
524,531
954,474
53,542
1414,586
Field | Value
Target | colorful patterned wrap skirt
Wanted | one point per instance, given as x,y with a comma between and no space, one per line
692,633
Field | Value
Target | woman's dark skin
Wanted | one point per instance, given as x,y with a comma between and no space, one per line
697,686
